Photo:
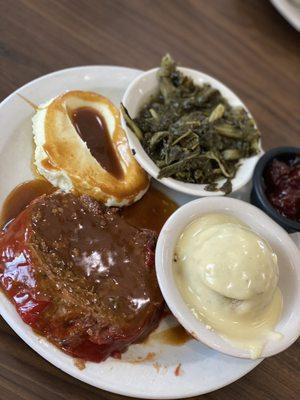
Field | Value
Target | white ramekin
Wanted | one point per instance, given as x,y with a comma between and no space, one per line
289,271
136,96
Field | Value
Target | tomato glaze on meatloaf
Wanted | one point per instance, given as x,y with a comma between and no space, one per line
80,275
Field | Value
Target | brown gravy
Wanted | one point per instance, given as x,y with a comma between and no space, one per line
21,196
175,336
93,130
151,211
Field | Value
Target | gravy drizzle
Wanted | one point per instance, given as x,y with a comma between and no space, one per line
33,105
92,128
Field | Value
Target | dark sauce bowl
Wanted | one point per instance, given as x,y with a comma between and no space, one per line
258,195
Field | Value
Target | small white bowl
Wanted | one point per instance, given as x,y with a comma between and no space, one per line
288,261
136,96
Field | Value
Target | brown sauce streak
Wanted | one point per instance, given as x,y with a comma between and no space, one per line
92,128
176,336
33,105
178,371
21,196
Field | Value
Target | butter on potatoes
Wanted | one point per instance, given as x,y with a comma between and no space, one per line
64,158
228,276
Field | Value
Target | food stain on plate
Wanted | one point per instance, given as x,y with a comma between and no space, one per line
33,105
175,336
79,363
142,359
178,370
159,368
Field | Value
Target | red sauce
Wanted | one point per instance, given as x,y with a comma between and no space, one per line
18,281
80,275
29,290
92,128
282,180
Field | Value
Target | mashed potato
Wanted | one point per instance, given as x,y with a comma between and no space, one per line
228,276
64,159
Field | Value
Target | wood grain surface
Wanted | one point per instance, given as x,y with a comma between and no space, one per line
244,43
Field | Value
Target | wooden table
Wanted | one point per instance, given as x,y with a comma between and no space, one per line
244,43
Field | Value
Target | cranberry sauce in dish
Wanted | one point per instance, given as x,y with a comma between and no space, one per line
80,275
282,181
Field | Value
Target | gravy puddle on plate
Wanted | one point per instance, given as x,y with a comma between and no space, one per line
21,196
175,336
151,212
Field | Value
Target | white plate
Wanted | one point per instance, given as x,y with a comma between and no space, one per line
203,369
290,10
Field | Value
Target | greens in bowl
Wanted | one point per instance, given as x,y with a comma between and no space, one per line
191,132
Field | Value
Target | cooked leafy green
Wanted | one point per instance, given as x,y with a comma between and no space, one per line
191,132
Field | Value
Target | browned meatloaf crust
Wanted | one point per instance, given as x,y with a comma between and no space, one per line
80,275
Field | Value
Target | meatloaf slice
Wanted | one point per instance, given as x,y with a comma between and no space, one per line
80,275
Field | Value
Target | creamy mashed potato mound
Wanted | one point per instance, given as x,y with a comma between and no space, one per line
228,276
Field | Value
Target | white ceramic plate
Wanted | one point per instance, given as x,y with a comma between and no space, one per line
290,10
203,369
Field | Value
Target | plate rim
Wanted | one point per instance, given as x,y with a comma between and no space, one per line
287,11
61,71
